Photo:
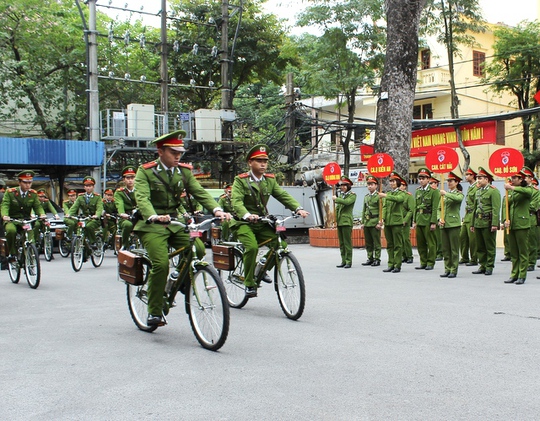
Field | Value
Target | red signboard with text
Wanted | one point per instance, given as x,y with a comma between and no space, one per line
332,173
442,160
380,165
506,162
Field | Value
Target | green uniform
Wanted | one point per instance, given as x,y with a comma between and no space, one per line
39,226
250,196
408,211
466,236
226,204
450,230
154,198
109,224
88,205
520,226
125,203
533,239
69,223
16,206
344,219
370,219
425,215
487,208
393,226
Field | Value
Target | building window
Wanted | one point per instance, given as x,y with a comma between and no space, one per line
479,59
423,112
425,58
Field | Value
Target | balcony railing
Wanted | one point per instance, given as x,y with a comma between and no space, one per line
433,78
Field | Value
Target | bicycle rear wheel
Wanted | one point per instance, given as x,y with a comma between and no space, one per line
137,299
208,309
48,246
14,269
98,253
32,267
77,253
64,247
234,282
290,286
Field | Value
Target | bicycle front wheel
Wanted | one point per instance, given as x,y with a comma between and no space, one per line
48,247
290,286
98,253
14,269
64,247
137,299
234,282
77,253
207,307
32,268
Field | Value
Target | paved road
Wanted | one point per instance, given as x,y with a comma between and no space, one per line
370,346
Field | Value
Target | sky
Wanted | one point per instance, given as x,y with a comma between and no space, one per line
494,11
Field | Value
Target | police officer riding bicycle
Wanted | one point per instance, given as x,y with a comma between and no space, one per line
159,185
250,194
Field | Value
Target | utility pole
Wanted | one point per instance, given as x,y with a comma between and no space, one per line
164,69
289,126
225,79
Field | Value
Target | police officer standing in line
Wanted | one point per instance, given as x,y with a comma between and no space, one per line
18,203
533,207
434,183
393,223
450,225
371,223
66,206
109,217
89,204
226,204
518,223
425,220
159,185
250,194
345,201
487,209
124,197
466,236
408,211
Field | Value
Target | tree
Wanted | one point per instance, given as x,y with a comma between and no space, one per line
454,22
516,68
346,57
398,83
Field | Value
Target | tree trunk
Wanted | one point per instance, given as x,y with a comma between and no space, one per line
395,106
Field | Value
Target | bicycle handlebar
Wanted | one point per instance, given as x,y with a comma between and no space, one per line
191,226
24,221
272,219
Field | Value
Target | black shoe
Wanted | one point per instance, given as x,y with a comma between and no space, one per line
520,281
251,292
266,278
505,259
462,262
390,269
445,275
488,272
479,272
420,267
376,263
452,275
396,270
429,267
154,320
472,264
341,265
438,259
510,281
530,268
347,266
368,263
409,260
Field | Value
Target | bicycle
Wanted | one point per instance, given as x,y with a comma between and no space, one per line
46,240
205,298
288,277
81,248
27,256
64,243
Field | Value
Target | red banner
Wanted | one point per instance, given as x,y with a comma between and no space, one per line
442,160
331,173
506,162
380,165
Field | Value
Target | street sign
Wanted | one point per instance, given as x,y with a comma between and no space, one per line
441,159
380,165
506,162
332,173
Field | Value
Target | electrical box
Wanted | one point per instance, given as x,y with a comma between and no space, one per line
140,121
207,125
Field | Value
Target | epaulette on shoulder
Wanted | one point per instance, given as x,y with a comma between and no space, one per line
243,175
65,201
222,196
120,189
409,193
32,191
97,194
492,186
12,189
82,194
189,167
270,175
419,187
149,165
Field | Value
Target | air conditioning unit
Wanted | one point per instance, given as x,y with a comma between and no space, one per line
140,121
207,125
